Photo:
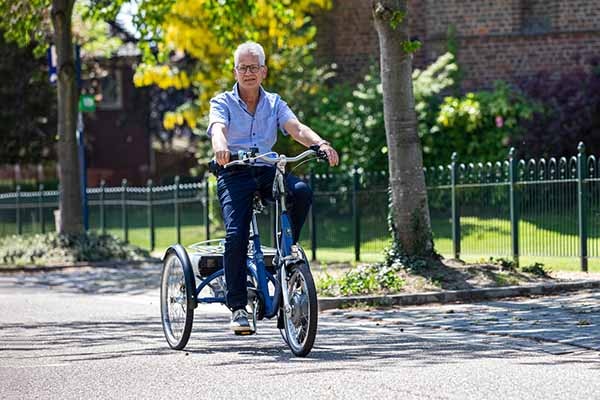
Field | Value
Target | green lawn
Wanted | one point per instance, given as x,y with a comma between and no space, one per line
549,239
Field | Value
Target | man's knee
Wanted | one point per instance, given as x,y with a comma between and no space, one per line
302,193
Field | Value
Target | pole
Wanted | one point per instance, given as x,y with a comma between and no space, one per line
81,145
455,209
514,205
176,209
582,205
356,212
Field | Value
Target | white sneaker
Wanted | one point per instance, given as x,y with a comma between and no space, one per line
239,321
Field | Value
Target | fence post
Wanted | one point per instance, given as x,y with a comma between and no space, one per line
582,199
41,208
356,212
455,209
102,215
206,207
124,221
176,210
18,210
312,220
150,214
514,205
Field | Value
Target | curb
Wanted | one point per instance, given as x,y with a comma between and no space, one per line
455,296
82,264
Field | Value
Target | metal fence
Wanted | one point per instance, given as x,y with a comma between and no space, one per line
514,208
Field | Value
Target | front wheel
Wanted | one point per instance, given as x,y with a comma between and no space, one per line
177,301
300,321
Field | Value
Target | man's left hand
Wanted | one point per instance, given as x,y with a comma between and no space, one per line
332,155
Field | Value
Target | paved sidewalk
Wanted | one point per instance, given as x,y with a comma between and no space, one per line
564,323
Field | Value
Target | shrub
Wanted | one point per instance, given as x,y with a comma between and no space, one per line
53,248
479,125
365,279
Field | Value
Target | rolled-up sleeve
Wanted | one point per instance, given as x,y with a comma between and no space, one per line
284,114
219,112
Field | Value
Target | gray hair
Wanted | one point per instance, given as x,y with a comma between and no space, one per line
252,48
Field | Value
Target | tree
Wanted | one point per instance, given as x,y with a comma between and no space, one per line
29,22
410,221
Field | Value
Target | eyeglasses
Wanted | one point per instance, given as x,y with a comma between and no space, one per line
242,69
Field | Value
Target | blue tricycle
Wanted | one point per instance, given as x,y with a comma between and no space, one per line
280,283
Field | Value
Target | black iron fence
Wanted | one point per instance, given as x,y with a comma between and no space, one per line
514,208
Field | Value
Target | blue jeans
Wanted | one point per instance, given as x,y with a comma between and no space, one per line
235,189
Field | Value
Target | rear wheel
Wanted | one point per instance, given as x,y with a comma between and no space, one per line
300,322
177,301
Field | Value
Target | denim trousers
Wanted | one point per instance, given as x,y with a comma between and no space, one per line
235,190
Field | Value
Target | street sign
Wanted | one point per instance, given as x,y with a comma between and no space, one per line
87,103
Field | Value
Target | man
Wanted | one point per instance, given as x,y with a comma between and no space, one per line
246,117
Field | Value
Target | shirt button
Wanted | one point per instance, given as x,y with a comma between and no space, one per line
254,134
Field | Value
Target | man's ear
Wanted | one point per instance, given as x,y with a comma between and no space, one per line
265,72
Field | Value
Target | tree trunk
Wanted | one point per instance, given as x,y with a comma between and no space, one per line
71,220
410,212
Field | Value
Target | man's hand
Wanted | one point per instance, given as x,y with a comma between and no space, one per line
332,155
222,156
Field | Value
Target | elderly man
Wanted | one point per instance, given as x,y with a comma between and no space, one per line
243,118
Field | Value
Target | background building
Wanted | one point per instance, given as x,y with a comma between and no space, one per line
499,39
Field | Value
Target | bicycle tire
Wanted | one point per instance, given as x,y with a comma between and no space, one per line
300,325
177,301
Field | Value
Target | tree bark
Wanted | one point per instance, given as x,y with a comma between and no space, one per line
71,218
410,212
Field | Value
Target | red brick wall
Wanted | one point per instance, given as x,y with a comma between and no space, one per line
497,39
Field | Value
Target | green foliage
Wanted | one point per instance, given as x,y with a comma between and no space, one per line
365,279
352,119
477,125
411,46
504,264
537,269
480,126
26,21
53,248
28,113
397,18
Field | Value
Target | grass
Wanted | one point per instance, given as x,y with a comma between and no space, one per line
548,239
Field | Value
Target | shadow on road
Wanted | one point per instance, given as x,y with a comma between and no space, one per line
422,336
134,279
341,344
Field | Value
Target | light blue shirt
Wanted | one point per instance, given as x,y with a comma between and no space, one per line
244,129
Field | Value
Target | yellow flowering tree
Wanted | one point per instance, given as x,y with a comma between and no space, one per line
198,38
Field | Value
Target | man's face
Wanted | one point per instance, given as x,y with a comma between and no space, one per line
249,73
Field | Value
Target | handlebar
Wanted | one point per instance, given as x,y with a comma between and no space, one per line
250,159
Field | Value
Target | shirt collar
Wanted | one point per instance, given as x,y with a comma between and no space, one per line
236,94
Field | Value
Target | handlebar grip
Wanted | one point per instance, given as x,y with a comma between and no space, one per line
320,153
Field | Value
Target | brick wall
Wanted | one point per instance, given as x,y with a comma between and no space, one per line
497,39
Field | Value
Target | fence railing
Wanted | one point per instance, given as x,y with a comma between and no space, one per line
515,208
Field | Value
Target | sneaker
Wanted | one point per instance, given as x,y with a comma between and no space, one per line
239,321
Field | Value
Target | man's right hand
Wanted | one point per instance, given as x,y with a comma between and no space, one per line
222,157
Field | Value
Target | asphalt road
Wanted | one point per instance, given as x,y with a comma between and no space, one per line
96,334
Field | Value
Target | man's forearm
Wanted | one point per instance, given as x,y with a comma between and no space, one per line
308,137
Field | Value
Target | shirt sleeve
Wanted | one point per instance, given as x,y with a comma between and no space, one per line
284,114
219,112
